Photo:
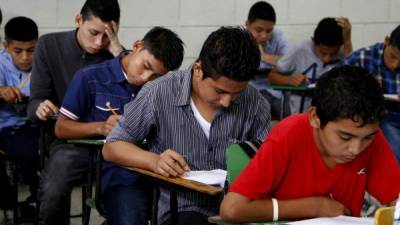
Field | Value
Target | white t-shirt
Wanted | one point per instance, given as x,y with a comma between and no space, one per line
204,124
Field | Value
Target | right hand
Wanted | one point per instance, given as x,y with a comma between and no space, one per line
11,94
296,79
328,207
171,163
108,125
46,109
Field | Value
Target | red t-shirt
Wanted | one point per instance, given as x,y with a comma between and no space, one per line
288,166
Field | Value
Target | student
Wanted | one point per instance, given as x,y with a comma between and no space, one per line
308,61
57,57
272,44
383,61
189,118
116,82
322,161
18,137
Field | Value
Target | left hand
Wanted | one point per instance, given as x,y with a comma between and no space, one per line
346,28
114,47
108,125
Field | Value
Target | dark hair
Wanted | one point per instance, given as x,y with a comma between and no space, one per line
21,29
348,92
394,39
166,46
328,33
230,52
1,17
106,10
263,11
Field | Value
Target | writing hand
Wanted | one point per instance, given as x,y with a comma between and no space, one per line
171,163
11,94
108,125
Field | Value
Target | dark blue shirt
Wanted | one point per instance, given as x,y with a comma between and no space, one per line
85,101
371,59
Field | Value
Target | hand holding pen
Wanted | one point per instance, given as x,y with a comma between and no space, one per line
171,163
111,121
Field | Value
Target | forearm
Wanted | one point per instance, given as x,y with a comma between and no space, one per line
276,77
238,211
271,59
347,48
70,129
129,155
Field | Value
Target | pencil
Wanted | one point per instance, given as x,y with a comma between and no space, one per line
25,81
111,109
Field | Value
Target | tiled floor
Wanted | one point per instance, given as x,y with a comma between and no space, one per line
95,218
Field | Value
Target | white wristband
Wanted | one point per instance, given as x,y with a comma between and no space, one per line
275,209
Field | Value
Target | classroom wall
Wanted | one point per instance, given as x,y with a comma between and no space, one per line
193,20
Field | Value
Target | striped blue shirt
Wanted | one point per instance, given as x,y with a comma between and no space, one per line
162,115
371,59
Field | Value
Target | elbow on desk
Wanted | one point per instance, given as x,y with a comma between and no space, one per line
229,213
107,152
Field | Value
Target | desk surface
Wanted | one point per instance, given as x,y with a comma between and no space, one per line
291,88
392,97
193,185
87,141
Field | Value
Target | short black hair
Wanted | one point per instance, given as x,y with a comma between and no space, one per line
1,17
328,33
263,11
230,52
348,92
394,39
106,10
21,29
166,46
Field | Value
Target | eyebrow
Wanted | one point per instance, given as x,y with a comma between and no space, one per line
352,135
224,91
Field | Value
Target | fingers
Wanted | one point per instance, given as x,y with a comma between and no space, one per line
172,163
297,79
11,94
46,109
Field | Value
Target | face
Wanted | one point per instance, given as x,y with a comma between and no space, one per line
218,93
325,53
261,30
21,53
91,34
391,56
342,140
140,67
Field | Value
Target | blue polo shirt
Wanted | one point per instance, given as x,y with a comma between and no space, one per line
85,101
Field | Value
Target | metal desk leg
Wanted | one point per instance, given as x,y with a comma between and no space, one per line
303,98
285,100
173,201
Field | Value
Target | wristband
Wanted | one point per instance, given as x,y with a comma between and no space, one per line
275,209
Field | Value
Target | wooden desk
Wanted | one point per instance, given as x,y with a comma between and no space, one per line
286,90
177,184
392,98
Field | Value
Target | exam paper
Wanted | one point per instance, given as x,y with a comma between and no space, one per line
339,220
210,177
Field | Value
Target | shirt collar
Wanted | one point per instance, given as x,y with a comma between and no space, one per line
117,71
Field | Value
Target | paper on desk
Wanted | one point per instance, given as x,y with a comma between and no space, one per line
210,177
339,220
392,97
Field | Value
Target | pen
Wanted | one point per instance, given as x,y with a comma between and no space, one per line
111,109
22,84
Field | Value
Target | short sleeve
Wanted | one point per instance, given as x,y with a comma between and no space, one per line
287,64
138,118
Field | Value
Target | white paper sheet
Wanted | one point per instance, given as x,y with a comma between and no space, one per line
210,177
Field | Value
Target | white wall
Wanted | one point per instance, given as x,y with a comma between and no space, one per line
193,20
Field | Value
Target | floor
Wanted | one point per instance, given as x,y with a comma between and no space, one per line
95,218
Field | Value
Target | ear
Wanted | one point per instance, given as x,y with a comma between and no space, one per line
137,45
313,117
247,24
78,20
198,70
5,45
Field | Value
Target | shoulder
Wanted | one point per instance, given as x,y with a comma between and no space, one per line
168,83
51,39
292,127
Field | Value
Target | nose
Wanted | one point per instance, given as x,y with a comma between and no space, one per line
327,58
98,40
25,55
226,100
355,147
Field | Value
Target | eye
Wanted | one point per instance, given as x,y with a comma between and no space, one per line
345,137
17,50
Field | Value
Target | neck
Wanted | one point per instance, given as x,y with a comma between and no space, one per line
206,111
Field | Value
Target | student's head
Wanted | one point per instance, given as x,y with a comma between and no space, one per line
21,34
92,21
391,53
261,21
160,51
328,39
228,59
347,108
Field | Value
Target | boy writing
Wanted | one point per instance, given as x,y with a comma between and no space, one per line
322,161
114,83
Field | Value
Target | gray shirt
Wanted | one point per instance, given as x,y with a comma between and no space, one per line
57,57
162,115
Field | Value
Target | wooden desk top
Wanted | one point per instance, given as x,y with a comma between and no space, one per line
189,184
87,141
291,88
392,98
